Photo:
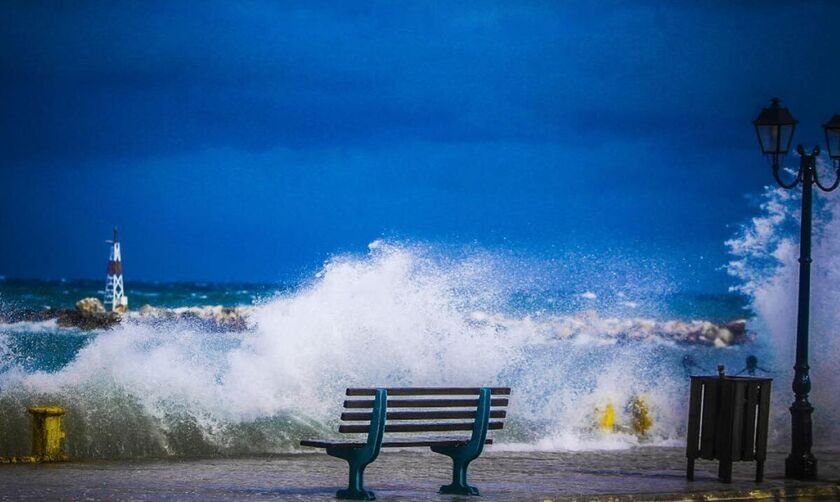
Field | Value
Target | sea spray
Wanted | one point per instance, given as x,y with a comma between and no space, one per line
765,261
400,315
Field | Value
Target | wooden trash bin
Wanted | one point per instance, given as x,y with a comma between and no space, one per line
727,421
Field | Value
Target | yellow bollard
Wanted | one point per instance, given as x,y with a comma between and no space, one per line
47,433
642,421
607,421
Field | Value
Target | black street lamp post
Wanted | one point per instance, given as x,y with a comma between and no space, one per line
775,126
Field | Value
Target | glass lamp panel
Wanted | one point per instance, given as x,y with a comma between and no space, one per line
768,136
785,137
832,137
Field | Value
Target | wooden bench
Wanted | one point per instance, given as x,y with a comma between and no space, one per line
425,412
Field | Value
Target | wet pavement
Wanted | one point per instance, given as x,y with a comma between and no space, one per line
651,473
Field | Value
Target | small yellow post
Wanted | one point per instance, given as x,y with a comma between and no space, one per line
47,433
607,421
642,421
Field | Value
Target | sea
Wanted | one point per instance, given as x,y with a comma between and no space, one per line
409,314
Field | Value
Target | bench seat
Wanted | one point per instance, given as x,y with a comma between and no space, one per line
391,443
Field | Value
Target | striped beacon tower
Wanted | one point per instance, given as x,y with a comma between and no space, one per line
114,288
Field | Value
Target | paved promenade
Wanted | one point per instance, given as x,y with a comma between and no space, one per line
653,473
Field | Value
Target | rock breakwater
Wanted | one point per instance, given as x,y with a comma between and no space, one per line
89,314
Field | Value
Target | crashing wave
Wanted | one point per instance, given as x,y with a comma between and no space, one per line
160,383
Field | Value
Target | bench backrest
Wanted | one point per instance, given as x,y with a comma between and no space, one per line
430,410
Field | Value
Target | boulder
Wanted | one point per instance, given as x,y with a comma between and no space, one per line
90,306
89,314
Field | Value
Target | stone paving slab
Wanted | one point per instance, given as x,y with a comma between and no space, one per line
651,473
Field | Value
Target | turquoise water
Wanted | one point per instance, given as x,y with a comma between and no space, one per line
41,294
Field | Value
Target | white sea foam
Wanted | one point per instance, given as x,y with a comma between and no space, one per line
5,353
32,327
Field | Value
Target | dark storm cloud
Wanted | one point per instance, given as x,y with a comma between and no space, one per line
101,79
109,79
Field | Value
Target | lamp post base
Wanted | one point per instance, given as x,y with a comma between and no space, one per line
802,467
801,463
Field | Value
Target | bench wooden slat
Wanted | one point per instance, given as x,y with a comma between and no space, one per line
389,443
429,391
425,403
364,416
406,443
454,426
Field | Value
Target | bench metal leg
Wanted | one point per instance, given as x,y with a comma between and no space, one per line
759,471
459,484
359,458
462,455
689,470
356,485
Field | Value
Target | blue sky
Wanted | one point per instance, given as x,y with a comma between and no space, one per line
252,140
